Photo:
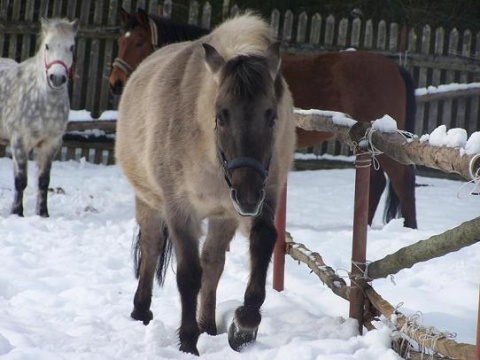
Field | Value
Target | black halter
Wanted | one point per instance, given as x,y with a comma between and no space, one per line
230,165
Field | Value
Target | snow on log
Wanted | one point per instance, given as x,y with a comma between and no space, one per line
393,144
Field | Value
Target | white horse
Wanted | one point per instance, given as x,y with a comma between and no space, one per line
34,106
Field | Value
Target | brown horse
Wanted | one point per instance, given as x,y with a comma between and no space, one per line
206,131
362,84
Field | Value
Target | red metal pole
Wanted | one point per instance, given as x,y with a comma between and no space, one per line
359,242
279,250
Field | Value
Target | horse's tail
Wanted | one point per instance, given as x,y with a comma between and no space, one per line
163,259
392,204
411,100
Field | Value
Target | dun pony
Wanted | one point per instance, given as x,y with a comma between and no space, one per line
206,131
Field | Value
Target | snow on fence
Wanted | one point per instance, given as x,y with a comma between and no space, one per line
462,157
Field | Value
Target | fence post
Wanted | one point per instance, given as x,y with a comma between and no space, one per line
279,250
359,242
477,347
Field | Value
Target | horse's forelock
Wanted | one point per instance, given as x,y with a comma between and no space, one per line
60,25
246,76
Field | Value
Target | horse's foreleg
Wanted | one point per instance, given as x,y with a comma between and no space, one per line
46,154
20,165
243,329
150,244
220,232
184,234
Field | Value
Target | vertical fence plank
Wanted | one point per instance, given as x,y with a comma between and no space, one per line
433,106
422,80
78,96
315,28
329,30
393,37
57,9
461,120
28,39
342,33
448,116
94,71
275,22
302,27
234,10
3,19
206,16
193,13
106,101
368,42
15,39
167,8
355,36
287,26
382,35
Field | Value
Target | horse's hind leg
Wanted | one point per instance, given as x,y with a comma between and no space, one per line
220,232
402,179
377,186
20,166
148,248
263,235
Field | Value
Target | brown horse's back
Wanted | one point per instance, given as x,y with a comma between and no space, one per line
362,84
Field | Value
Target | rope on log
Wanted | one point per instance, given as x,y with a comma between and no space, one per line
445,346
317,265
327,275
406,151
466,234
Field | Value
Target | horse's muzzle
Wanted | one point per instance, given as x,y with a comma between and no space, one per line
117,87
247,208
57,81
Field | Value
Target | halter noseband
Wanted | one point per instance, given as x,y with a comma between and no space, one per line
69,70
230,165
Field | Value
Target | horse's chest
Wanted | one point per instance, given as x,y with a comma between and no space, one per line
209,194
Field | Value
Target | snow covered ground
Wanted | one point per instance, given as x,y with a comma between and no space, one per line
67,283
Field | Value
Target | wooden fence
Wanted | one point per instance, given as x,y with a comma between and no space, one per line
433,56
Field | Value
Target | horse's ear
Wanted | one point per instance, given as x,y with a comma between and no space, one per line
75,25
124,15
274,59
142,17
213,59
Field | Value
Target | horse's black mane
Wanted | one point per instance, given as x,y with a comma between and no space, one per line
170,31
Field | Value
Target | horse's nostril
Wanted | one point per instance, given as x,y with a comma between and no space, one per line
64,79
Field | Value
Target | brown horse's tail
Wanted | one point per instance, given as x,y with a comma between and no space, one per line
392,207
163,259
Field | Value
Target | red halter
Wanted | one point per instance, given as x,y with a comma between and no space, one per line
70,70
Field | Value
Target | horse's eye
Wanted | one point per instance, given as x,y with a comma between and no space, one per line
72,48
46,47
270,116
222,117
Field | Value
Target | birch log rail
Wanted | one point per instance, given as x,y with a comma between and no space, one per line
395,145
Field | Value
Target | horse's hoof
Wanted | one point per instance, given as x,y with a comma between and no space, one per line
145,317
189,348
240,338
